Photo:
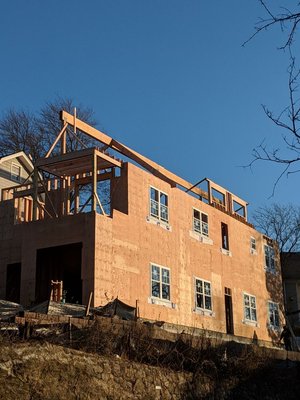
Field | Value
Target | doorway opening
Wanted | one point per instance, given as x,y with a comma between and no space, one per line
13,282
60,263
229,311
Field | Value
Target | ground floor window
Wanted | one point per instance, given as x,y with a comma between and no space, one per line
160,282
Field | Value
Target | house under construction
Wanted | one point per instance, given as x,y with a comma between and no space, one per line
110,221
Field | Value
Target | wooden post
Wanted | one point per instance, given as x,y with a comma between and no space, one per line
87,311
94,189
35,193
67,194
76,197
63,141
209,192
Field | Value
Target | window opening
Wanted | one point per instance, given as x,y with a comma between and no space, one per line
273,314
224,232
203,294
160,282
250,308
159,205
200,222
15,172
253,243
269,258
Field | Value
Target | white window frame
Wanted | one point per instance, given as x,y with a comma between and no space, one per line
199,226
273,314
160,282
253,248
269,257
250,307
13,176
204,295
161,208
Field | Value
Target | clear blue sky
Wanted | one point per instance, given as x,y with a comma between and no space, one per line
168,78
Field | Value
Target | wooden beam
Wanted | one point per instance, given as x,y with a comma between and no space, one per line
63,157
145,162
56,140
106,157
88,179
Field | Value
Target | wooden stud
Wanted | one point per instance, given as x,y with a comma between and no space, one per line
94,183
35,193
56,140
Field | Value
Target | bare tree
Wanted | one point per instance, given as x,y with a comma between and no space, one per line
19,132
288,119
281,223
49,123
34,133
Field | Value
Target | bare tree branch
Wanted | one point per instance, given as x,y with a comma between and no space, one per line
281,223
286,19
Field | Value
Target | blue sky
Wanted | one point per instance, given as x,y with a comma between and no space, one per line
168,78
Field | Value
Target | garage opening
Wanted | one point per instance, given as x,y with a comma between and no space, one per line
60,263
13,282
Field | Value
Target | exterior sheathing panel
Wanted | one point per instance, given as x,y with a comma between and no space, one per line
126,247
21,242
117,253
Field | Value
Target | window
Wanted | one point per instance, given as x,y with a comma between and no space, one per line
253,243
160,282
203,294
269,258
250,308
159,205
15,172
224,233
200,222
273,314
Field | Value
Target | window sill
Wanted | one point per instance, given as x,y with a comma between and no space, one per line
253,252
158,222
201,311
251,323
161,302
201,238
226,252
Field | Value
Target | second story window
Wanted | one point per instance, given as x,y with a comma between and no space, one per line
250,308
200,222
273,314
15,172
203,294
269,258
224,233
252,244
159,205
